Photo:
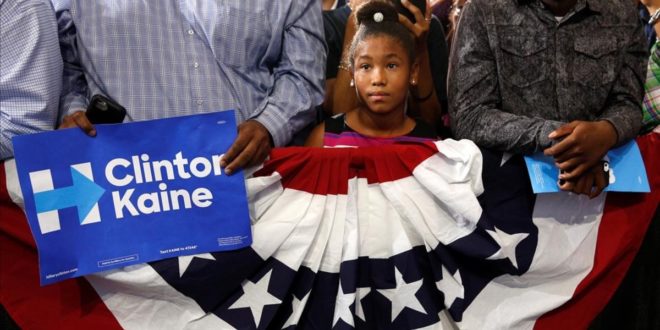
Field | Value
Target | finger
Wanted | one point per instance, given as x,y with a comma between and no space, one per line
81,121
575,152
263,149
243,158
566,185
256,156
266,148
561,147
568,166
578,186
419,17
260,155
588,184
67,122
599,184
428,11
575,172
563,130
408,24
235,149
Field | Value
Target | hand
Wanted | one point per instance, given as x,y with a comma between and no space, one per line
591,183
582,144
251,147
422,24
78,119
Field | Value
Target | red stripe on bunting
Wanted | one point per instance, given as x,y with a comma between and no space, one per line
70,304
325,170
626,218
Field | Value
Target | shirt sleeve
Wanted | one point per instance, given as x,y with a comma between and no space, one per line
30,70
624,104
474,94
74,94
299,76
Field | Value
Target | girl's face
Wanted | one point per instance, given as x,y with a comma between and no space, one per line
382,74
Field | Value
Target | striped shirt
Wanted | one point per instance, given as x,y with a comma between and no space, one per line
339,135
158,59
30,70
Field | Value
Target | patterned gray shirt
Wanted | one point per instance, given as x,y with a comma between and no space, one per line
517,72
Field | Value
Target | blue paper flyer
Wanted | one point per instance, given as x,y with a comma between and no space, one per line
627,171
137,192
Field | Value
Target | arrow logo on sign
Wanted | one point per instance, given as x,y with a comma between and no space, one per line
83,194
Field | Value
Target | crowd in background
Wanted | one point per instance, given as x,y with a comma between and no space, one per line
289,69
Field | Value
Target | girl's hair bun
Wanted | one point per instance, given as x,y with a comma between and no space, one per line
375,12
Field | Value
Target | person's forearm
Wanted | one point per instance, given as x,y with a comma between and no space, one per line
299,76
425,98
74,85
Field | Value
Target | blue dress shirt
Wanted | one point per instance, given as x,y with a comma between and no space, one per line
159,59
30,70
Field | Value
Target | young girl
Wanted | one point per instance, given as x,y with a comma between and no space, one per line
383,67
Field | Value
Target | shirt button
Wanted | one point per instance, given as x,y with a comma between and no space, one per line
191,32
196,65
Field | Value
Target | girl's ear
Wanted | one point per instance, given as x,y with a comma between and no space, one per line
414,73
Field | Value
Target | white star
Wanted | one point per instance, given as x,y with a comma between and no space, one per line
297,307
184,262
508,244
451,286
343,307
359,295
403,295
256,296
505,158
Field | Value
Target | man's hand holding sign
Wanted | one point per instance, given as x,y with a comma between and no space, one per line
251,147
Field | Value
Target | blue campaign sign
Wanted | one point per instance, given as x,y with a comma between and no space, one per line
137,192
627,172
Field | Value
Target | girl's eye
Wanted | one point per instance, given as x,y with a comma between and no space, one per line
392,66
364,66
